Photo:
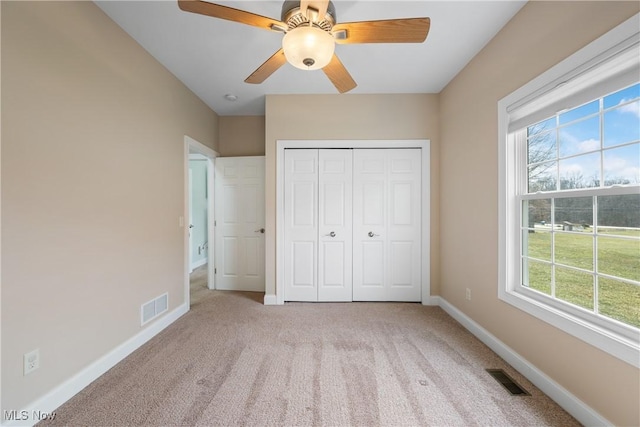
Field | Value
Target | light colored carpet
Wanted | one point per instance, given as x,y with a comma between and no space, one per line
198,285
233,361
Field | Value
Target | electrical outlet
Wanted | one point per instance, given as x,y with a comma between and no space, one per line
31,361
468,294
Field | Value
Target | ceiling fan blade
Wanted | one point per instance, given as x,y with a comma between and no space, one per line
231,14
319,5
339,75
276,61
410,30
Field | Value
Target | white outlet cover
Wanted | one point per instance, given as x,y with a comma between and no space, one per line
31,361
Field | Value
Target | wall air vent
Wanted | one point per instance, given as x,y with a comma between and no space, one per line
154,308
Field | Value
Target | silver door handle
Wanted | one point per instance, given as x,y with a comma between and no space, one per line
332,234
372,234
259,231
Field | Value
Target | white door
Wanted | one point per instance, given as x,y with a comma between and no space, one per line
301,225
318,190
335,186
239,219
387,225
191,221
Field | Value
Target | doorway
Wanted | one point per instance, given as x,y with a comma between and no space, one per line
205,271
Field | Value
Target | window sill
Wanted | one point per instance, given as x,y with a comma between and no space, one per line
604,339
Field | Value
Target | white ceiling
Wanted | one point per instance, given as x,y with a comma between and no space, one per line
213,56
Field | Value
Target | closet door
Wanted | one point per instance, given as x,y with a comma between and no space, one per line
387,225
301,225
334,225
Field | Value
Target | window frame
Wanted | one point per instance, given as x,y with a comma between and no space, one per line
608,336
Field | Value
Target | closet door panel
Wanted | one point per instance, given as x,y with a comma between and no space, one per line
303,260
369,225
335,184
387,225
301,225
404,228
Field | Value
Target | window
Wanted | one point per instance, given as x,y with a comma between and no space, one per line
570,194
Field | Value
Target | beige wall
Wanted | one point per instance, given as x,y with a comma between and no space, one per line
539,36
92,188
332,117
241,136
92,185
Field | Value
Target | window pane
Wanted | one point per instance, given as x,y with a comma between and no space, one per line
619,300
574,286
619,215
541,147
580,172
537,276
579,112
538,213
622,124
581,137
574,250
577,211
619,257
542,177
622,96
622,165
537,244
545,125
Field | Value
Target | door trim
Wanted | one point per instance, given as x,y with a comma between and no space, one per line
191,146
423,144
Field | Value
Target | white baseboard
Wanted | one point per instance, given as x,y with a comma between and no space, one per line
570,403
65,391
199,263
270,299
432,300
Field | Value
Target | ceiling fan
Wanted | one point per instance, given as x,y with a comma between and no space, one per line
310,32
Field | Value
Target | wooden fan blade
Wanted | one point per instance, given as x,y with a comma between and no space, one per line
230,14
319,5
276,61
339,75
410,30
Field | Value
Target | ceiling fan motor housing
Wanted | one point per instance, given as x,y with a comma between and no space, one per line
292,16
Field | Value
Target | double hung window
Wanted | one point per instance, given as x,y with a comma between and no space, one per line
570,194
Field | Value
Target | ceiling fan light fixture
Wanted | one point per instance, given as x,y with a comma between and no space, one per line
308,47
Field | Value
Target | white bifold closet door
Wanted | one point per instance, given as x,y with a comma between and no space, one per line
352,225
318,219
387,225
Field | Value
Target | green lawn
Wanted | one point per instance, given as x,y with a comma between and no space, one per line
618,257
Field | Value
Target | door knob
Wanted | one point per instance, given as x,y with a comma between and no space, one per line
332,234
259,231
372,234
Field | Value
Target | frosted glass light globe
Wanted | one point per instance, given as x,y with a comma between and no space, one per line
308,48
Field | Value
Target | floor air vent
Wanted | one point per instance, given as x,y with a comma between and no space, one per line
507,382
